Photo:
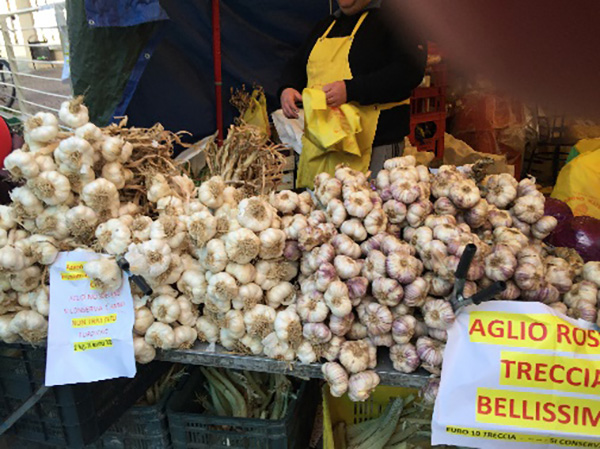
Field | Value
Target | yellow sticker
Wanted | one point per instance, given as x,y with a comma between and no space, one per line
92,344
546,412
539,331
72,276
94,320
550,372
75,266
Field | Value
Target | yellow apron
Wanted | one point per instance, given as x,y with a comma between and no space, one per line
334,136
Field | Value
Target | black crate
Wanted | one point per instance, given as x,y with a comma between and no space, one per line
190,429
68,416
141,427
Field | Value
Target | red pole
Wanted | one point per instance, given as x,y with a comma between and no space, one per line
216,26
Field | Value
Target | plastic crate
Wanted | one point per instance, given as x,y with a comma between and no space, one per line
190,429
68,416
141,427
336,410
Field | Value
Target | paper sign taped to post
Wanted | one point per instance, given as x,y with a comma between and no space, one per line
519,375
89,332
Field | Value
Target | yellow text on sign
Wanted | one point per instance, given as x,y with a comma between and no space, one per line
545,412
94,320
520,437
550,372
92,344
539,331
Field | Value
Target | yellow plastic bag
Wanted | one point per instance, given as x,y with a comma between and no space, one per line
256,114
578,183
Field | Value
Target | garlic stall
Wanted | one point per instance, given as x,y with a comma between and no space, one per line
331,278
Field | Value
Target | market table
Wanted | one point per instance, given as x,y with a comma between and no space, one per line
220,357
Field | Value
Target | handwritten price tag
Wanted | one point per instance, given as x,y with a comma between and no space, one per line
90,332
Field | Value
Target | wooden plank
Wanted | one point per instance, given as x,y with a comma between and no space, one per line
201,354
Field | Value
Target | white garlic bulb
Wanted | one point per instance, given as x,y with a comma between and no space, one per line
210,192
29,325
160,335
354,356
361,385
242,246
336,377
105,274
144,352
255,214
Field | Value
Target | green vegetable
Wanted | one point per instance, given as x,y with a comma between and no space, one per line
381,429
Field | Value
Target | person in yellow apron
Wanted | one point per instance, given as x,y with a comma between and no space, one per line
353,78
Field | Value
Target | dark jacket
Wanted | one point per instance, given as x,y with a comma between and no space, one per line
386,66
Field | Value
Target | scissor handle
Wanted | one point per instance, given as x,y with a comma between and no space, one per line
488,293
465,261
137,280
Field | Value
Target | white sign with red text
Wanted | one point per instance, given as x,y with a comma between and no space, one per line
89,333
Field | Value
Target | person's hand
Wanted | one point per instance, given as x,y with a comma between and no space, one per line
289,97
336,94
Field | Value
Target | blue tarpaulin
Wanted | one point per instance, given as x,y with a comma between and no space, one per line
161,68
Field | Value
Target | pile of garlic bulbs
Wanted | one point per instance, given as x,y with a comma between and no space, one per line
373,266
387,275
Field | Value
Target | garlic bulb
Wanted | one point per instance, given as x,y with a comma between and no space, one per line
210,192
403,268
81,221
464,194
272,243
105,274
114,149
529,209
151,258
347,267
404,357
357,288
312,307
73,113
415,293
214,256
157,187
255,214
185,337
376,221
242,245
288,327
144,352
101,195
501,190
345,246
222,288
395,211
113,236
260,320
21,165
418,212
316,333
387,291
354,229
336,377
340,326
143,320
160,335
283,293
438,314
591,272
26,280
117,174
188,313
11,258
208,330
244,274
277,349
165,309
29,325
361,385
285,201
430,351
337,212
306,353
377,318
354,356
25,204
42,127
337,298
403,328
248,296
501,264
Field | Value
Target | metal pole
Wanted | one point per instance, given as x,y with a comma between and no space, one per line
13,64
61,23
